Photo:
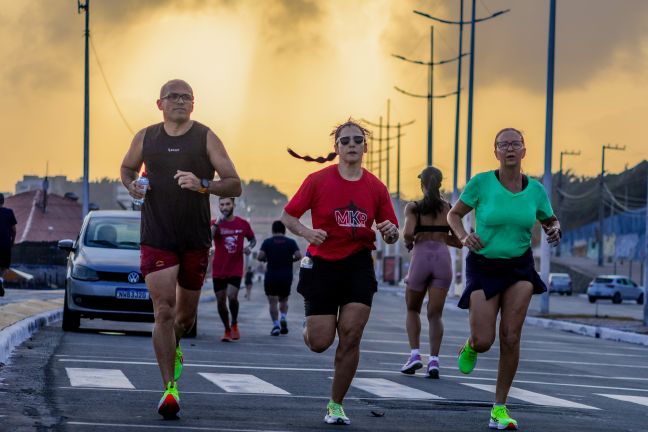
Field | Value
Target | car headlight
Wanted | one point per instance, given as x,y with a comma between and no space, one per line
84,273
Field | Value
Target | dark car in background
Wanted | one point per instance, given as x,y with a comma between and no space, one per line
560,283
103,279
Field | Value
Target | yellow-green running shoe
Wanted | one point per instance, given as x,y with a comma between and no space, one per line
169,404
335,414
500,420
179,361
467,358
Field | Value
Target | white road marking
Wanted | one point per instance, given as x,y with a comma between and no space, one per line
533,397
242,383
382,371
192,428
641,400
389,389
103,378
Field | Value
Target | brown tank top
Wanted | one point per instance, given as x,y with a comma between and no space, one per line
176,219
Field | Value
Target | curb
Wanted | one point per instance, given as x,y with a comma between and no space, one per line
588,330
17,333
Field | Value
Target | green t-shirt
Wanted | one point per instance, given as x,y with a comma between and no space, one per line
504,218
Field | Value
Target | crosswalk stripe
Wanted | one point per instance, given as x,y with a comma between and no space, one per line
533,397
103,378
242,383
641,400
385,388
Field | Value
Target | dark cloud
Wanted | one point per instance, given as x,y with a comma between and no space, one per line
292,25
591,35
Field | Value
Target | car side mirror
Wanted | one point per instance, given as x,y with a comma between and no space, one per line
66,245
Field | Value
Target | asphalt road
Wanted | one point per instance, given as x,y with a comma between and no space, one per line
97,380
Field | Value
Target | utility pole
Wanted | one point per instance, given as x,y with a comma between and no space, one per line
645,266
388,148
455,165
380,143
560,183
430,93
601,208
545,253
86,110
398,136
472,23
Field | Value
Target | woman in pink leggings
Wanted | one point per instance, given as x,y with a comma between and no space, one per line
427,235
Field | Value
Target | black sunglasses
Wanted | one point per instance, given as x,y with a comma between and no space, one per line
358,139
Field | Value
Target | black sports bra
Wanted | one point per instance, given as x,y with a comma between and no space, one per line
428,228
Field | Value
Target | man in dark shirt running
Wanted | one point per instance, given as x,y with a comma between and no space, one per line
7,239
180,156
280,252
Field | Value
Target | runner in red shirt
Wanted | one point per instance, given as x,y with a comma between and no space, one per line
336,277
229,233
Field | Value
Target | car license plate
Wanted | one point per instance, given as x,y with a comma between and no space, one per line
131,294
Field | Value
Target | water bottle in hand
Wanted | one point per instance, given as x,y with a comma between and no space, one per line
142,185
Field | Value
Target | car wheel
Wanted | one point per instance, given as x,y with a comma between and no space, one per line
569,293
640,299
616,298
71,320
194,330
591,299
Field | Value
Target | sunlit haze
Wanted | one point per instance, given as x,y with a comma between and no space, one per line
273,74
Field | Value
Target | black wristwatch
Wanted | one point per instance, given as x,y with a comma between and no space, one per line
204,186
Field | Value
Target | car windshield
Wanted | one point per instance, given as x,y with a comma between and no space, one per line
113,233
561,278
603,280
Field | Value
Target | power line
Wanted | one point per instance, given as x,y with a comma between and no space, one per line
112,96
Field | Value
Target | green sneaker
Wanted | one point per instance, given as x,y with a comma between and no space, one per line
500,420
169,404
467,358
335,414
179,361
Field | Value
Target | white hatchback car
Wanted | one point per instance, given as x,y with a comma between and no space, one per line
614,287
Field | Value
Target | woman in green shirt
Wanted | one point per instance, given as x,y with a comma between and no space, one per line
500,272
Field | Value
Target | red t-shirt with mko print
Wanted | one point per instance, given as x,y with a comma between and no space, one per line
345,209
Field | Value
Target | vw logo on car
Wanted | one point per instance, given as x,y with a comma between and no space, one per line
133,277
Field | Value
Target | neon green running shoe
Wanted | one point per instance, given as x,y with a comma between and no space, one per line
179,361
169,404
335,414
467,358
500,420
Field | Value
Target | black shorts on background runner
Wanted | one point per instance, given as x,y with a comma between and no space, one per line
279,289
221,284
328,285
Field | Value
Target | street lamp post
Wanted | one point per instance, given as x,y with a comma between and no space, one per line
472,23
601,208
560,182
86,109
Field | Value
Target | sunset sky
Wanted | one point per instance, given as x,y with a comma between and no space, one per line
272,74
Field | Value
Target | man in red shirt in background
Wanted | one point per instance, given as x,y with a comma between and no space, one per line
229,233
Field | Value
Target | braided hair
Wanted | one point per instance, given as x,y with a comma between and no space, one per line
335,133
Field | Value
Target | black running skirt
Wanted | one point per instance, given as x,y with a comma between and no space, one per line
495,275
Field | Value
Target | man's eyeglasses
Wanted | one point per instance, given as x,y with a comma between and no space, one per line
175,97
358,139
505,145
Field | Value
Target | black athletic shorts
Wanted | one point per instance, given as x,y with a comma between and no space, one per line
5,258
279,289
221,284
328,285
